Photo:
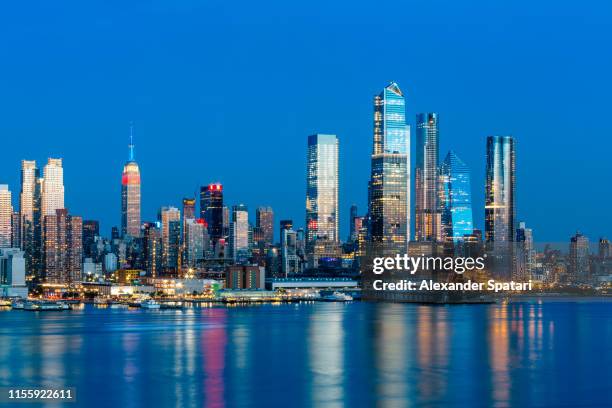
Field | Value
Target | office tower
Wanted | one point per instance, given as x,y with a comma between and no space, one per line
189,209
352,232
211,210
525,252
605,248
63,249
499,197
166,216
499,204
52,187
226,221
15,230
130,194
427,216
152,243
264,221
389,189
290,260
322,189
91,230
239,233
285,224
6,216
579,270
174,244
455,199
34,253
194,242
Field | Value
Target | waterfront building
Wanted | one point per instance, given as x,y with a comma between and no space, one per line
30,217
500,203
427,214
388,190
211,210
6,216
63,249
52,187
12,273
110,263
245,277
130,194
455,199
322,189
264,221
239,233
168,215
579,267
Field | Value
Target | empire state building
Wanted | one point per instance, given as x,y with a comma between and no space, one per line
130,195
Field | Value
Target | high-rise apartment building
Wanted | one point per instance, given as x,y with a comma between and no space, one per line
427,215
52,187
6,216
579,268
63,248
389,190
322,189
455,199
130,195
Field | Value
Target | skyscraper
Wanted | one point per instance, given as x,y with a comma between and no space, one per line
27,207
63,249
189,209
427,215
52,187
91,230
211,210
6,215
525,252
167,216
322,189
499,190
455,199
264,220
194,242
389,192
130,194
579,270
499,204
352,232
239,233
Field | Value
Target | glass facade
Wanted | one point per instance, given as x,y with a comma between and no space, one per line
455,199
427,215
211,210
389,192
322,188
499,194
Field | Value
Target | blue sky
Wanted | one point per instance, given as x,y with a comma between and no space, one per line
229,91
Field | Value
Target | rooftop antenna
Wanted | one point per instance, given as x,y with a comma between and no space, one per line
131,145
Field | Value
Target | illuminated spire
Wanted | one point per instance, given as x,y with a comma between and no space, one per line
131,145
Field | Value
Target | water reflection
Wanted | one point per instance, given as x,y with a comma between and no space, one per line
360,354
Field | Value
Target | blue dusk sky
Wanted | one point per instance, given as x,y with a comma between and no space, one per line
229,91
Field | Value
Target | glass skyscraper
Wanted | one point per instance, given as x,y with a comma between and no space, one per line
455,199
389,192
499,197
130,195
211,210
427,227
322,188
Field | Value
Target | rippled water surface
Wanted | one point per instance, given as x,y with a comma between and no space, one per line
555,353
